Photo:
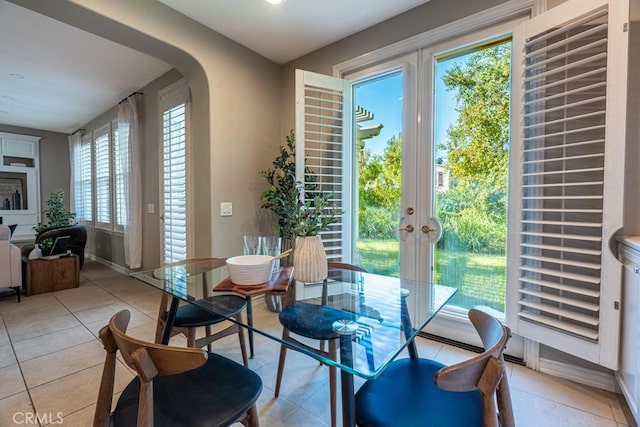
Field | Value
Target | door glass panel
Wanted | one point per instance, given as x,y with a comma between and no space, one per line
378,136
472,94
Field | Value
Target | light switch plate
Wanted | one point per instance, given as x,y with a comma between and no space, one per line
226,209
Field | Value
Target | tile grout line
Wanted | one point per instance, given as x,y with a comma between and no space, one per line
24,381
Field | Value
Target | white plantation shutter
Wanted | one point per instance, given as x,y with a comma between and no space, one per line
102,162
84,180
323,147
120,158
174,172
571,200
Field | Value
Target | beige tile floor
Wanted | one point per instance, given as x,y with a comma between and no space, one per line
51,363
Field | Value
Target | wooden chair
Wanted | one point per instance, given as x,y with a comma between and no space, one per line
175,386
189,317
422,392
299,319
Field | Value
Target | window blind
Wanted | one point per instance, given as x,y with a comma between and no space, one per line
321,131
563,166
84,177
120,158
102,160
174,179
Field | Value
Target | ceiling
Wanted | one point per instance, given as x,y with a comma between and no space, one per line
56,77
293,28
69,76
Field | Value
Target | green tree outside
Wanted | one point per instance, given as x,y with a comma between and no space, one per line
473,209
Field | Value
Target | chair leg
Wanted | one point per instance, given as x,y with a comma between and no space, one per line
283,356
208,332
333,381
243,345
18,290
505,408
191,337
251,420
162,309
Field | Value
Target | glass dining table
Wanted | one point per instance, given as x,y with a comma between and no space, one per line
382,315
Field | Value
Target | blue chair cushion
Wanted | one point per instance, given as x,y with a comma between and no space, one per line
406,395
312,320
217,393
191,316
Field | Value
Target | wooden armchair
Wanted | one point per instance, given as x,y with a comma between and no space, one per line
422,392
175,386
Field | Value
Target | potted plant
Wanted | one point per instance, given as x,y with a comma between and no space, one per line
298,218
57,216
283,195
57,213
311,217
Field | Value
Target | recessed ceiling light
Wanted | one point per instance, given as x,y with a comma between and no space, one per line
274,1
16,76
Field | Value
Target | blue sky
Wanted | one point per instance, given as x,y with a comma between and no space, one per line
383,97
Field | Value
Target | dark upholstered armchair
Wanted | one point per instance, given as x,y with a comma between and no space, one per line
76,243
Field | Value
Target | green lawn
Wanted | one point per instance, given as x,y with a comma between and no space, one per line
480,278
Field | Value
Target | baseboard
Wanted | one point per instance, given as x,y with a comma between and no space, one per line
586,376
466,346
111,265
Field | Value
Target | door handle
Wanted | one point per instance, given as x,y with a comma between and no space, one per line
427,229
433,230
409,228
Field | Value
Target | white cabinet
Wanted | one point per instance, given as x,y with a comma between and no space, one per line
20,183
629,374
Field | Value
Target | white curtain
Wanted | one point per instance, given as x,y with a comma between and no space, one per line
74,150
129,146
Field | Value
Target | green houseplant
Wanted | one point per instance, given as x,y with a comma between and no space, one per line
57,216
298,217
57,213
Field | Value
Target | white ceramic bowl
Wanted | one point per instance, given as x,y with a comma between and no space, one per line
250,269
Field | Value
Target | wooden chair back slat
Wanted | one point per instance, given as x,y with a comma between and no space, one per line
168,360
346,266
464,376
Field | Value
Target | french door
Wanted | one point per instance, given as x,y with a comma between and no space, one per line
423,212
518,216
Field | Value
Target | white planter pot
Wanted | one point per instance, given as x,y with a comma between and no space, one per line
309,259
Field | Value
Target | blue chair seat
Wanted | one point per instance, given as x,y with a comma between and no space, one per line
406,395
217,393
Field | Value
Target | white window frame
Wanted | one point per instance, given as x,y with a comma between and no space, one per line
605,351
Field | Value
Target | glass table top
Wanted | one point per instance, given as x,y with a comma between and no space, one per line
382,314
